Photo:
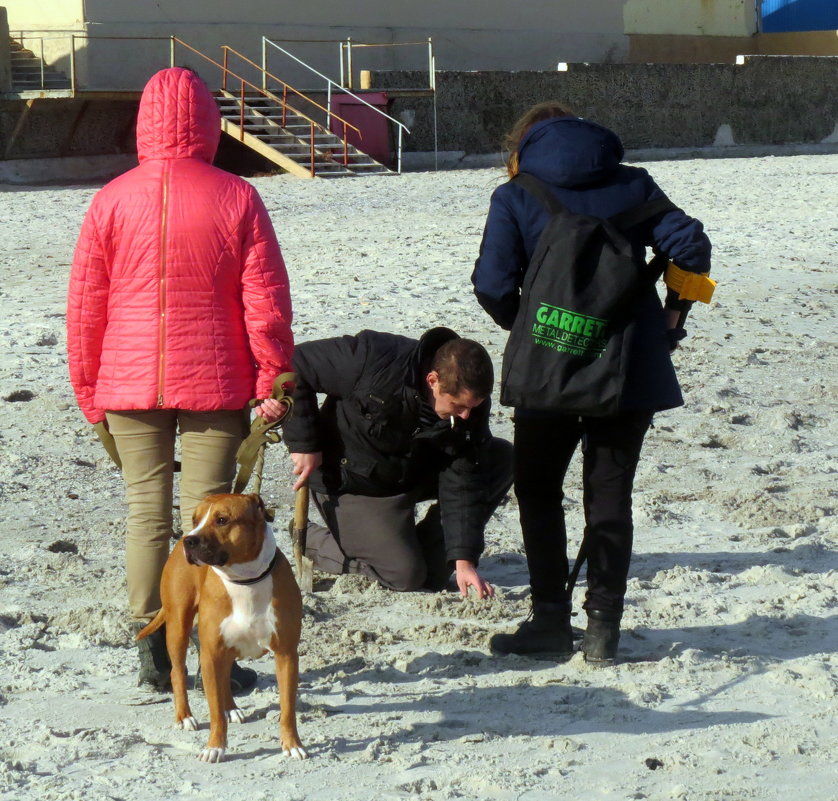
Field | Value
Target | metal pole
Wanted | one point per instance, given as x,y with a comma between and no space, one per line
345,146
349,60
171,51
73,63
42,63
436,135
241,115
224,73
430,64
311,150
264,65
399,155
329,106
342,80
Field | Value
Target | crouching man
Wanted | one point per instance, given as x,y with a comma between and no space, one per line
403,421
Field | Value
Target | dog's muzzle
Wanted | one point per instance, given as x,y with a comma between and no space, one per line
203,551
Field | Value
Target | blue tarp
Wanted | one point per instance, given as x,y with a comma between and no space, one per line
779,16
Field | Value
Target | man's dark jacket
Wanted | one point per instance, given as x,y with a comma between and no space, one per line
380,436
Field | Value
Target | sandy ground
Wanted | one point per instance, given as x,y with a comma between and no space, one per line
727,687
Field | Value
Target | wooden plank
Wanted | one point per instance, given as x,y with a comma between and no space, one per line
287,164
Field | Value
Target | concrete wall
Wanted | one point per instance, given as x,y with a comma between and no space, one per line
44,27
766,101
5,56
45,14
668,49
691,17
66,127
466,35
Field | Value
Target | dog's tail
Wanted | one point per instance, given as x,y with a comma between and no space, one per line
159,620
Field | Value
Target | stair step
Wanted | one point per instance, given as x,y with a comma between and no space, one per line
26,85
374,167
293,139
35,70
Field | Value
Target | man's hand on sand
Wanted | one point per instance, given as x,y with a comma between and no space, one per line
304,465
467,576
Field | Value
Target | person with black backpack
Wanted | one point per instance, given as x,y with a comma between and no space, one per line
562,265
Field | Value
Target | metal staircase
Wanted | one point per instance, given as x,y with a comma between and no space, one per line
29,72
269,126
303,137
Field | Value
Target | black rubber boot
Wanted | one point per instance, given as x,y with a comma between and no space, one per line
546,632
155,667
599,645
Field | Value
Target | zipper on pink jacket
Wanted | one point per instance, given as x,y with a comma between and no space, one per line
161,356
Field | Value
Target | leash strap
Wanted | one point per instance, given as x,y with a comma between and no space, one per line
581,556
250,453
107,440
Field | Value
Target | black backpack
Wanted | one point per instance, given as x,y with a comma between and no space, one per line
568,347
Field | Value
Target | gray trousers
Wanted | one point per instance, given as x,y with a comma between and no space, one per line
380,538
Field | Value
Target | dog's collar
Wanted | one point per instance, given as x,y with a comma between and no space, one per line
259,577
252,572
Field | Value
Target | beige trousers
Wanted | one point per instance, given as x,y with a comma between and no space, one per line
146,444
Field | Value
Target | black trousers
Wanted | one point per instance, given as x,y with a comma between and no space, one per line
379,537
610,451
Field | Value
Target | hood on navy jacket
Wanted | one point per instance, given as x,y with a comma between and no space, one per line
570,152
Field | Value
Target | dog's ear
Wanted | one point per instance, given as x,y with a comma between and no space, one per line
266,513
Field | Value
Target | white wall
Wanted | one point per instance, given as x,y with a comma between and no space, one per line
44,14
467,34
691,17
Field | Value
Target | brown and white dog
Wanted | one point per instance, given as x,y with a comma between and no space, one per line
230,572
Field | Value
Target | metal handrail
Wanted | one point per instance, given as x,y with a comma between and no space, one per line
346,52
282,102
22,36
329,83
287,86
328,80
28,35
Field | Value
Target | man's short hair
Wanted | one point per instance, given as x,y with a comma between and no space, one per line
464,365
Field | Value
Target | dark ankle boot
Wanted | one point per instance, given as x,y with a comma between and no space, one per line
155,667
599,645
546,632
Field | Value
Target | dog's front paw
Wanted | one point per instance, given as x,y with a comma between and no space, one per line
212,754
296,752
187,724
235,715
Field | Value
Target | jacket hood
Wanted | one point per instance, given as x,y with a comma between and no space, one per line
569,151
178,118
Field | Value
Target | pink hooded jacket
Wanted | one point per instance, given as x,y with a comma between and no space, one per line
178,294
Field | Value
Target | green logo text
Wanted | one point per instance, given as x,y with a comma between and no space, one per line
569,332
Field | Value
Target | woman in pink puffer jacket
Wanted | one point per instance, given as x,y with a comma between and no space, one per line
178,314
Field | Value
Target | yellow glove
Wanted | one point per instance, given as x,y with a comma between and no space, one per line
689,286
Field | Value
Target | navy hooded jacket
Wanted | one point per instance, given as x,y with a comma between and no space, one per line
580,160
